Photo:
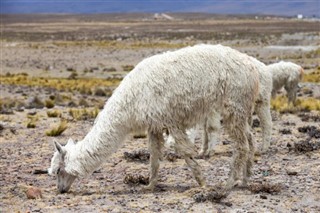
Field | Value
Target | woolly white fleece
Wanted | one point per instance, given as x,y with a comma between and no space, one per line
174,90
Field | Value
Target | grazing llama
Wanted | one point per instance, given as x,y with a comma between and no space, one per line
174,91
287,75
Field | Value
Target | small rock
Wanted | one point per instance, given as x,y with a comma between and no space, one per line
292,172
226,142
33,112
229,204
263,197
33,193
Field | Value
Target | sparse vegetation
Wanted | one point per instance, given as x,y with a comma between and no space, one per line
53,114
312,77
84,114
280,104
127,68
82,85
117,44
58,130
49,103
32,121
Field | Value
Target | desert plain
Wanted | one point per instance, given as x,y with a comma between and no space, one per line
57,71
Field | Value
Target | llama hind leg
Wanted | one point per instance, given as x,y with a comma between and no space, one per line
247,171
187,150
263,112
240,153
156,143
291,88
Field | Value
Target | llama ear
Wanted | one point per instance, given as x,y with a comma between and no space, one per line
70,142
58,147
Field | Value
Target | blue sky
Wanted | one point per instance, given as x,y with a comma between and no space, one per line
272,7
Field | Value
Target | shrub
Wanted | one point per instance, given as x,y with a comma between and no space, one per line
84,114
53,114
56,131
49,103
31,124
127,68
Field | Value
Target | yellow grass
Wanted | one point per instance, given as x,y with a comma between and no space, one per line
312,77
32,120
53,114
83,114
58,130
85,86
280,104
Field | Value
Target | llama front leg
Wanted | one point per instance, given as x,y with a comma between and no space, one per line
187,150
263,112
156,142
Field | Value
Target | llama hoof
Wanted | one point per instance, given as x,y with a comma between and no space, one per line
205,186
149,188
230,184
205,155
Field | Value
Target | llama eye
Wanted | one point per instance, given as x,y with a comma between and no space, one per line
58,170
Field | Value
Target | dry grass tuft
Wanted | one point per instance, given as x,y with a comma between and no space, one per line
127,68
56,131
53,114
84,114
32,120
49,103
31,124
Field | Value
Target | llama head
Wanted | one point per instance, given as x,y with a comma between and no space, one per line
58,165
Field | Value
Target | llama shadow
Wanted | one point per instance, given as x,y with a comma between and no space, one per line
160,188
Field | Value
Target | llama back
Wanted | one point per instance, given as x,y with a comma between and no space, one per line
283,72
185,86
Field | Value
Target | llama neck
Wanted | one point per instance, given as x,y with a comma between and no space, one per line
105,137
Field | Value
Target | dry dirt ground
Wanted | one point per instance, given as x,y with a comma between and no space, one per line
56,46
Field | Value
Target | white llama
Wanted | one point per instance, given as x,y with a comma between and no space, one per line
287,75
262,107
174,91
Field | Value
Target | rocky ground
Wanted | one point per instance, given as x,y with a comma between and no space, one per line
286,179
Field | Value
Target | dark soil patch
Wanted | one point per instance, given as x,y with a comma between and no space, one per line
135,179
265,187
312,131
139,156
307,117
306,146
212,196
287,123
285,131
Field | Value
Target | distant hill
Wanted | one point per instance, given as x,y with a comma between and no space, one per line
268,7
